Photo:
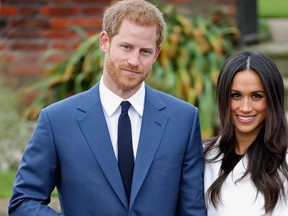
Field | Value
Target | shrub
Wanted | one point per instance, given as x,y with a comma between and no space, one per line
187,67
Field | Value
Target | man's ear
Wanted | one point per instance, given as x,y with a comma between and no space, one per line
104,41
158,50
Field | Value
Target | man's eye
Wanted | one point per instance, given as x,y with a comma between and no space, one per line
126,47
146,52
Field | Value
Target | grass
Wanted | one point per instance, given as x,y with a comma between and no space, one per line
14,134
272,8
7,179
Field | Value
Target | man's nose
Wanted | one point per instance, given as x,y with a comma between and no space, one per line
134,58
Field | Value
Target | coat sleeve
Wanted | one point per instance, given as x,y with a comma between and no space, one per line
37,174
191,197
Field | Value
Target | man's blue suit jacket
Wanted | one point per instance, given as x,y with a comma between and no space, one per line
71,149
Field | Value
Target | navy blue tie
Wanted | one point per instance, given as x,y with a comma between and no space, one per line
125,149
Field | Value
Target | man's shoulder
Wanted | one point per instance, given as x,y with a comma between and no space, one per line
170,99
74,100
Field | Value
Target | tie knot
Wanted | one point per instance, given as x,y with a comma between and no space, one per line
125,105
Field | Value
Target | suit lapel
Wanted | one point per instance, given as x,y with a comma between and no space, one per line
93,125
152,130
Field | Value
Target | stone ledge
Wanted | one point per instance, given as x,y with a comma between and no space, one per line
277,51
272,49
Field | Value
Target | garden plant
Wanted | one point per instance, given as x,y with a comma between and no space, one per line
187,67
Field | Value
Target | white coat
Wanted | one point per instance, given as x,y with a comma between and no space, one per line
239,198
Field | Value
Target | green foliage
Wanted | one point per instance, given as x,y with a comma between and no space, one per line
187,67
191,57
7,179
14,132
272,9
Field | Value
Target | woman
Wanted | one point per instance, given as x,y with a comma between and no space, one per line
246,171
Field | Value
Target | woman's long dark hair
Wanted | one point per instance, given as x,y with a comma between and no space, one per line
267,163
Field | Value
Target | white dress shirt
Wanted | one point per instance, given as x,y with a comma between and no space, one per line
111,106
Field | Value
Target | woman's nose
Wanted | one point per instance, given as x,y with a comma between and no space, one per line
245,105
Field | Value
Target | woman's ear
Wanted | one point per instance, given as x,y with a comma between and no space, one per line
104,41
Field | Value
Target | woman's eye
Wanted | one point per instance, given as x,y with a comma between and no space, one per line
257,96
235,95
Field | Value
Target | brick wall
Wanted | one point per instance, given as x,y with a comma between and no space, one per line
28,28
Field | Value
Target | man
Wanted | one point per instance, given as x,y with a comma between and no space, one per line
76,145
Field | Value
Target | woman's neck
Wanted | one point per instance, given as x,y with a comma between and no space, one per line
243,142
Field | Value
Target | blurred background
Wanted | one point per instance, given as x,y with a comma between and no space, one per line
49,51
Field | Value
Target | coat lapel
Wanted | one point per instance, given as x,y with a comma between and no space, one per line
92,122
152,130
93,125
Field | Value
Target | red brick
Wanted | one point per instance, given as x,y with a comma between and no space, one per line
25,69
30,23
58,11
8,10
28,11
92,11
60,22
27,58
87,22
23,33
8,58
61,45
28,47
93,31
3,46
62,1
94,1
55,33
57,58
27,1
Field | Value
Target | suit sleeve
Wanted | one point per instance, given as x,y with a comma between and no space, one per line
37,174
191,197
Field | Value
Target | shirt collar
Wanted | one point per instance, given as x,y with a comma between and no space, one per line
110,101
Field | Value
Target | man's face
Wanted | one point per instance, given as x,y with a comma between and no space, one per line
129,57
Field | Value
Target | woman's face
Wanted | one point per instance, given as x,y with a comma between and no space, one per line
248,103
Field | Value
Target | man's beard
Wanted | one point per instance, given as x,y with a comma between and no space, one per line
124,82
